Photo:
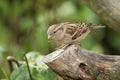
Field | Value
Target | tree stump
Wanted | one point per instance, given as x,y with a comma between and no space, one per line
76,63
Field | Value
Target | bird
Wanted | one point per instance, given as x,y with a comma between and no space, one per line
70,33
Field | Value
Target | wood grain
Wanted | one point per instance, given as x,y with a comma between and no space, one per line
76,63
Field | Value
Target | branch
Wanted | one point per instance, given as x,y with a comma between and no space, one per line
108,10
76,63
10,60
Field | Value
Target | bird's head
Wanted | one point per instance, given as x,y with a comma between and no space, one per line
55,32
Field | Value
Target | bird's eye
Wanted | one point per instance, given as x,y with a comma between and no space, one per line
57,31
54,32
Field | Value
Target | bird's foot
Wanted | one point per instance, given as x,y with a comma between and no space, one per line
60,47
64,46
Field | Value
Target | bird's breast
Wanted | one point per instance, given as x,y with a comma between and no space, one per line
66,39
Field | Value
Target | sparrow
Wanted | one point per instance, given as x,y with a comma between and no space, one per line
70,33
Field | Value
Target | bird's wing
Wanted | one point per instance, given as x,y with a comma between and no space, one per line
81,29
71,29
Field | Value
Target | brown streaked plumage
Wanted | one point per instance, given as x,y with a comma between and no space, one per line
70,33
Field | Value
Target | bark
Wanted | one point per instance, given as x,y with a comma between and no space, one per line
76,63
107,10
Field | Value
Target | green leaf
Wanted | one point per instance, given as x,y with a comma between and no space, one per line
44,75
38,69
20,74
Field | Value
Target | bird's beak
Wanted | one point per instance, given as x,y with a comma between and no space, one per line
49,38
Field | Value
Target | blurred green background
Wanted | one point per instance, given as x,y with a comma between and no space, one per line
23,26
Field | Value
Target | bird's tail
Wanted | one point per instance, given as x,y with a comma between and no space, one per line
93,26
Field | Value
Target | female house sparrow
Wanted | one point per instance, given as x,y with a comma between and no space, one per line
70,33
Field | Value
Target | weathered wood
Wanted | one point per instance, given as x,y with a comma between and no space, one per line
107,10
76,63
